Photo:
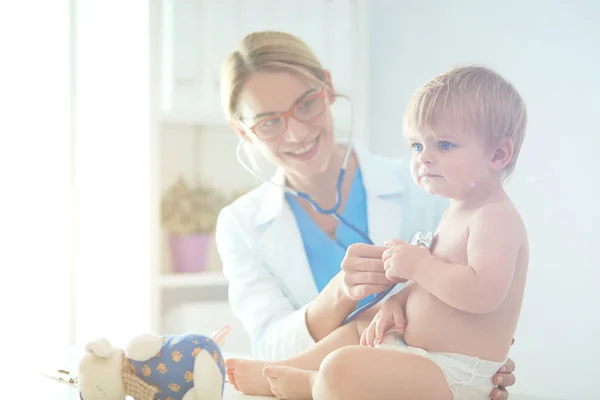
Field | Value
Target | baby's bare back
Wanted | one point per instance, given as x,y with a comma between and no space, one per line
435,326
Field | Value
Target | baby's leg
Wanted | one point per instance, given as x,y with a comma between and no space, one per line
388,374
247,375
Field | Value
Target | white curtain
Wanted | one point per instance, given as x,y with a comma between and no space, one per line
77,210
113,147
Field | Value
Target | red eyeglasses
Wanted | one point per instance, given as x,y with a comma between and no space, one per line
307,109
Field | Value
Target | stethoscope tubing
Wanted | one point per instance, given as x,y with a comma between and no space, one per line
418,239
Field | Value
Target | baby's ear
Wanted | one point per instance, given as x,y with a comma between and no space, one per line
99,347
503,155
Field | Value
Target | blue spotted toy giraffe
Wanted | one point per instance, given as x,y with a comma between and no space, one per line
176,367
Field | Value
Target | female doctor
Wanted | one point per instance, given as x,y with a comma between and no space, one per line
295,274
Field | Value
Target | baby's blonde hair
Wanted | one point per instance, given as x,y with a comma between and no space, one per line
266,51
477,98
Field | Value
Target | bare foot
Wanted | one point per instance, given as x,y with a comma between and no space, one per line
290,383
246,376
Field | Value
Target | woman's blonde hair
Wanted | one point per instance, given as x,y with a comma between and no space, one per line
475,96
266,51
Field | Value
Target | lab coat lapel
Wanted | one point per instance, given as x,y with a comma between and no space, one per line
384,190
282,245
384,215
281,241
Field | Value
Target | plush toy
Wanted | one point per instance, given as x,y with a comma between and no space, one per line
181,367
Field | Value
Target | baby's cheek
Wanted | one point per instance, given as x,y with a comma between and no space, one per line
413,170
413,163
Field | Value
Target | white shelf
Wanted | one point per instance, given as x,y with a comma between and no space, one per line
215,121
191,280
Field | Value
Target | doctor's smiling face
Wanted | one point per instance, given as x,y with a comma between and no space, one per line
277,96
288,118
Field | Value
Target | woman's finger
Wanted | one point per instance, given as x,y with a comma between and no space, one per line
508,367
365,278
393,242
499,394
362,264
502,379
363,250
359,292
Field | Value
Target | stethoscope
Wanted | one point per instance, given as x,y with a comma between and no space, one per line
325,211
418,239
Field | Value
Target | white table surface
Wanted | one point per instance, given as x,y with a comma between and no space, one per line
27,383
34,385
50,390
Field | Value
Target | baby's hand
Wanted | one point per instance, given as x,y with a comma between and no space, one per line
401,259
390,317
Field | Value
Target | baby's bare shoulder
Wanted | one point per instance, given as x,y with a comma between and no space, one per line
501,216
500,208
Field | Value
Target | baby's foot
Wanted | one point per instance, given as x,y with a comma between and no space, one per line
246,376
290,383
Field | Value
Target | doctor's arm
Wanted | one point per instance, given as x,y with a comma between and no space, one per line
278,328
362,275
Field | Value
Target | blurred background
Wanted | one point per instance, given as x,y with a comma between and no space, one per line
115,156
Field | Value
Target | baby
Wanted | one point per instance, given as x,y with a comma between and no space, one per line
449,330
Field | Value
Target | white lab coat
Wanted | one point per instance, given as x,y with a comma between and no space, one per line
270,280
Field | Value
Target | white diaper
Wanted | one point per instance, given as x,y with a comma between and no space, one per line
469,378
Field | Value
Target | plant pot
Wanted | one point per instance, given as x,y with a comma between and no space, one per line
190,252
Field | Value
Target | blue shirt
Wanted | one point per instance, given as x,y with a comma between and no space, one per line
324,254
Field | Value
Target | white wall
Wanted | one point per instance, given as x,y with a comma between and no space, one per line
550,49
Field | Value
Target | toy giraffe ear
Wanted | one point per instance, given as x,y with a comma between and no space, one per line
143,347
99,347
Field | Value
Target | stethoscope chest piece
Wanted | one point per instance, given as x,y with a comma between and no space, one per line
420,240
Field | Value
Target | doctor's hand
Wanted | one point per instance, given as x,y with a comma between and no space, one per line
362,271
503,379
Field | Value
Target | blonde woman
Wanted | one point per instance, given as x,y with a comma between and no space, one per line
295,274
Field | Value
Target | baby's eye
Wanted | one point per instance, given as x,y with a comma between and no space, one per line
418,147
445,145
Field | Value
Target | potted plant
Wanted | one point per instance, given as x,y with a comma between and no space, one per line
189,214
